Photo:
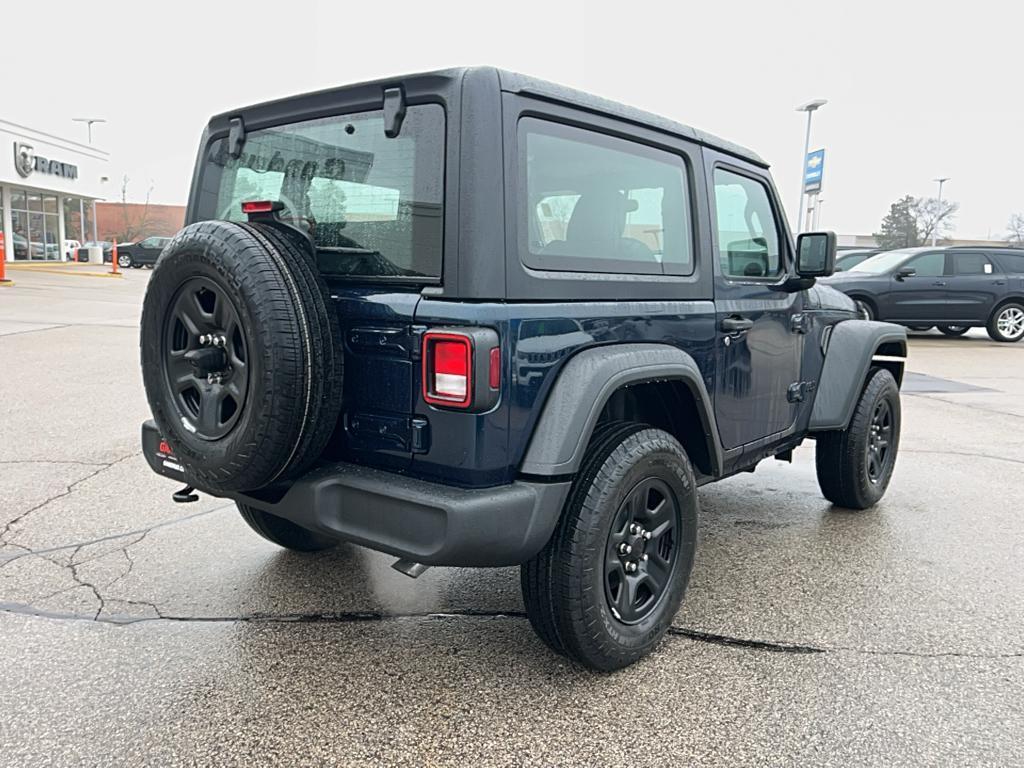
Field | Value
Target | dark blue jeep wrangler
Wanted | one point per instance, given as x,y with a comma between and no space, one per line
470,318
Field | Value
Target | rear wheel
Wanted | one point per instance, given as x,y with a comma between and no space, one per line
855,465
283,532
1007,323
609,582
954,330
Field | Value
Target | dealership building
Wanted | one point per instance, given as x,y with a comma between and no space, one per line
48,187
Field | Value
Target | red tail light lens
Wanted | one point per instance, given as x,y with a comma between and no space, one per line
494,372
447,369
257,206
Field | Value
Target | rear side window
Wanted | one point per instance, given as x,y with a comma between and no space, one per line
595,203
373,204
971,264
1012,262
748,237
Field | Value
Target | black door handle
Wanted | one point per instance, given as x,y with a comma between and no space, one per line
736,324
999,282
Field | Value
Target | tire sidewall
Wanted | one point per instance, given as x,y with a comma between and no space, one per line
605,496
881,386
238,460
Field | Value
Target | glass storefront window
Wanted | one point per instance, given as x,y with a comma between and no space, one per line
35,201
18,202
51,237
73,219
49,203
19,235
88,220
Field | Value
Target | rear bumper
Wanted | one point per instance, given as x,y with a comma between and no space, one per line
425,522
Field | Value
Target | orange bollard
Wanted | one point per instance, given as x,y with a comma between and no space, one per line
76,255
113,260
4,282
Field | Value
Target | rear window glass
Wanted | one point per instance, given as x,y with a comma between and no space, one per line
373,204
596,203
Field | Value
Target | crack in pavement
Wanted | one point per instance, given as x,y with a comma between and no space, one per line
967,454
7,559
68,490
971,406
352,617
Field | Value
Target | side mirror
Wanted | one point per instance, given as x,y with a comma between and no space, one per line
905,272
816,254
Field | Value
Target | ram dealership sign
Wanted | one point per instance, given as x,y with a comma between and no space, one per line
27,161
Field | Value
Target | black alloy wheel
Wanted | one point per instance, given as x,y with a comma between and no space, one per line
879,444
206,358
641,551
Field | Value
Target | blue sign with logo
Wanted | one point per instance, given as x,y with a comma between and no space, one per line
814,170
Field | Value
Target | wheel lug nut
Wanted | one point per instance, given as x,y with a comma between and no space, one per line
630,567
646,535
634,529
624,548
644,558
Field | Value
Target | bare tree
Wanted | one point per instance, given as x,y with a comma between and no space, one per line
135,222
934,216
1015,226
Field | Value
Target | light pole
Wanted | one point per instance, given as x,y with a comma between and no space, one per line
809,108
938,212
88,122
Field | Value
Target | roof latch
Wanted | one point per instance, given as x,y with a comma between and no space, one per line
236,137
394,111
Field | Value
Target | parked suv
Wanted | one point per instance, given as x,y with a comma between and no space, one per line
143,253
955,288
470,318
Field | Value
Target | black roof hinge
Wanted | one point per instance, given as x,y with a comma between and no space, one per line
236,137
394,111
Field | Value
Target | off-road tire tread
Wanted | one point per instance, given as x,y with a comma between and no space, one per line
560,603
299,354
839,453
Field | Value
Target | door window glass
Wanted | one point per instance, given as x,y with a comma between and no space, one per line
971,264
928,264
748,238
595,203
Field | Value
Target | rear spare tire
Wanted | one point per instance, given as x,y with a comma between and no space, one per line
240,355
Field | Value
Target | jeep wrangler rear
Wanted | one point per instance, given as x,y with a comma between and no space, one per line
469,318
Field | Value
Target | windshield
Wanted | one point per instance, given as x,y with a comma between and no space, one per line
372,204
883,262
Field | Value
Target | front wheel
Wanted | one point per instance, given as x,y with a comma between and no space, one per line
855,465
606,587
865,310
124,261
954,330
284,533
1007,323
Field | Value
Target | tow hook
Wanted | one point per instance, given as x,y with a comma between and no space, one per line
185,496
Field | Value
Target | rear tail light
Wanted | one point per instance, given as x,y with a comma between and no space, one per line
448,364
461,369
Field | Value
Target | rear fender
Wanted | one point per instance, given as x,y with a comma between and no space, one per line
585,385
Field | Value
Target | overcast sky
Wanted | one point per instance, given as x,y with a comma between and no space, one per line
916,90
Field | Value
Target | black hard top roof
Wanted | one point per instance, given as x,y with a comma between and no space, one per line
514,82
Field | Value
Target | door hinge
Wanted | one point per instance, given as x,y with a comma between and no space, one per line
800,323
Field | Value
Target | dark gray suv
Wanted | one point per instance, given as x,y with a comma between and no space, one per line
954,288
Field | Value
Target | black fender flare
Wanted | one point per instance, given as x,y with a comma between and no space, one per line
582,389
852,346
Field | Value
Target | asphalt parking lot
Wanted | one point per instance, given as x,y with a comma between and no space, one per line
137,631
